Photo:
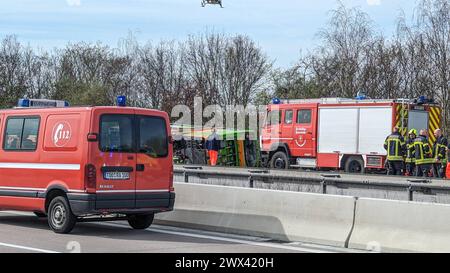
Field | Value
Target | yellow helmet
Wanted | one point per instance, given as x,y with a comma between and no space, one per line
413,132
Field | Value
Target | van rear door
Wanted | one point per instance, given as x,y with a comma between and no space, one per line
114,157
154,165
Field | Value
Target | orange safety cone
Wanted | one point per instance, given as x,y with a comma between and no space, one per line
447,174
213,155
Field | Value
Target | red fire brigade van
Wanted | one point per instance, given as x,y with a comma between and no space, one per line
86,163
340,133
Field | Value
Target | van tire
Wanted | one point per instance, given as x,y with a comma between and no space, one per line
354,164
40,214
279,161
140,221
60,216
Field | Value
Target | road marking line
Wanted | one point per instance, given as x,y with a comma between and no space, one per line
27,248
229,240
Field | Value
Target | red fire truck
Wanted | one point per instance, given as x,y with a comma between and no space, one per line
74,164
339,133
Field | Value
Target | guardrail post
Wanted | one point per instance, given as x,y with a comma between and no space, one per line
186,177
250,181
323,184
410,193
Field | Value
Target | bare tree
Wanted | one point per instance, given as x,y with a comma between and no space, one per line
12,74
163,75
348,36
226,70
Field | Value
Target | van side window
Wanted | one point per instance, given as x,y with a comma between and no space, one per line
21,134
153,139
304,116
288,117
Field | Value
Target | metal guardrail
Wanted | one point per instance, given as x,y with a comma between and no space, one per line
266,176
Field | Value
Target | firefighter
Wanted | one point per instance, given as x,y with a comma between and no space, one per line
395,146
410,158
439,154
423,154
213,147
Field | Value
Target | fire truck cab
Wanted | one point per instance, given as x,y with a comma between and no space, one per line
74,164
337,133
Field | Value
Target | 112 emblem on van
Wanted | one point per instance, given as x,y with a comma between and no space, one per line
62,132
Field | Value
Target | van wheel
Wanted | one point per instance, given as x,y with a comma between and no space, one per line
40,214
140,221
60,216
279,161
354,164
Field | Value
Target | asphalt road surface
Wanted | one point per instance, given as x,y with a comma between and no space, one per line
25,233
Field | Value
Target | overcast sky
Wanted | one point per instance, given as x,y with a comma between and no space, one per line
281,27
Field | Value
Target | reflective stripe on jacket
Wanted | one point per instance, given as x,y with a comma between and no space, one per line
439,149
395,147
410,157
422,151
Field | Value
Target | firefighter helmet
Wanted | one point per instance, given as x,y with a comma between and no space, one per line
413,132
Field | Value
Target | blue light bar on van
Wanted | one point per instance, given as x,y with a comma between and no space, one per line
23,103
41,103
121,101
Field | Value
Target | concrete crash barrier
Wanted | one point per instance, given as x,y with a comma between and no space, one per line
285,216
386,225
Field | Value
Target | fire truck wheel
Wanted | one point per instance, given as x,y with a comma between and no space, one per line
354,164
140,221
40,214
60,216
279,161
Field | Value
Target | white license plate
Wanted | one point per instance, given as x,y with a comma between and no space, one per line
116,175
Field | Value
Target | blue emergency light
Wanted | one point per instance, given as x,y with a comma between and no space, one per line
121,101
23,103
361,95
276,101
422,100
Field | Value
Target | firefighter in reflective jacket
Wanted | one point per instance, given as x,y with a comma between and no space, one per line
423,154
439,154
410,157
395,146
